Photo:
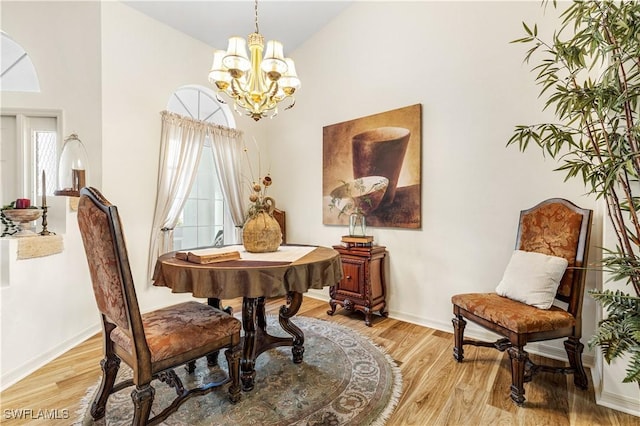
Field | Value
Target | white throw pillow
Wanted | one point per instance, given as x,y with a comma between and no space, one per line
532,278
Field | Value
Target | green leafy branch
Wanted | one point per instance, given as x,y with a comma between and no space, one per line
619,333
9,228
591,81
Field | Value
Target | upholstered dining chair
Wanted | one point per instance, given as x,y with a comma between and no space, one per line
153,344
547,267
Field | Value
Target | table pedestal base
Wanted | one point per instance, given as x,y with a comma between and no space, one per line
256,339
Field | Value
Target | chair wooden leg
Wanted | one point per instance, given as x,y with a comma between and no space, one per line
110,366
458,335
142,397
519,360
233,363
574,352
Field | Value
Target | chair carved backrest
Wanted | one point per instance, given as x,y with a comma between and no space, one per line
281,217
111,277
557,227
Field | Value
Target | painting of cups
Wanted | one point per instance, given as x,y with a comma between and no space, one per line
371,165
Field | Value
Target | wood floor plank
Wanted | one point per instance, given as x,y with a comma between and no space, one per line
500,393
464,405
437,390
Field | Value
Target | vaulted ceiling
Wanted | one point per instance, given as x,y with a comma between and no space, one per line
213,22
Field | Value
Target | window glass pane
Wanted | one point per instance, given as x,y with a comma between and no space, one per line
205,236
178,238
218,213
206,172
45,156
190,212
29,146
18,72
203,214
189,237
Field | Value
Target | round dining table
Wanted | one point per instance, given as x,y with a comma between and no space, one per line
290,271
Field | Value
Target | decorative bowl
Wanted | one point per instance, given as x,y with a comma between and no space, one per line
363,194
23,217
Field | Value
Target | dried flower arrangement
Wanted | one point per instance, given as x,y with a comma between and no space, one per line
260,202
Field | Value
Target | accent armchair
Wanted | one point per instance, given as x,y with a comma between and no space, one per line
551,252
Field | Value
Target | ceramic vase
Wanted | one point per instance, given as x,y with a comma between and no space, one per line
261,233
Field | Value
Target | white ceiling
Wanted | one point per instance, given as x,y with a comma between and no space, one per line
213,22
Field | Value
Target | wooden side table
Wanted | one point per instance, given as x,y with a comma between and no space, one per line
362,287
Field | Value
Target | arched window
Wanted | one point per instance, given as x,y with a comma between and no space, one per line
202,219
18,73
200,103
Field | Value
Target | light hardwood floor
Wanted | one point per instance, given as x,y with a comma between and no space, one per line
436,389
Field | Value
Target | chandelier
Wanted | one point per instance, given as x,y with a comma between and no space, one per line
255,85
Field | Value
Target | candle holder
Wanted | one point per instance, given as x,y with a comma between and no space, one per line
45,231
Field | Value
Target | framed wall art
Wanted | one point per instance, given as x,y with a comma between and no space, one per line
372,165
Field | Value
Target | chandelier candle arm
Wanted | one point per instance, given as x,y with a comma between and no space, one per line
255,84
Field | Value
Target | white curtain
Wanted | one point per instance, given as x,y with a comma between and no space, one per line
181,142
227,149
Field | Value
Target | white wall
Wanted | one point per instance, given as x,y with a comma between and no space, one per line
47,306
63,42
111,70
455,59
143,63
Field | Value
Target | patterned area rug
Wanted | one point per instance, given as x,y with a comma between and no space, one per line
344,379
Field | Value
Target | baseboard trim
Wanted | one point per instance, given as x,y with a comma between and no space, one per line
618,402
9,378
611,400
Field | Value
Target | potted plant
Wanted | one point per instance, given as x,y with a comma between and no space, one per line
589,73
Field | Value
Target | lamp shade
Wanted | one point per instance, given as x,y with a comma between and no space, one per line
72,167
290,81
236,57
273,63
219,74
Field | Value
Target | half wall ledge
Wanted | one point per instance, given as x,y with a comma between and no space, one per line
39,246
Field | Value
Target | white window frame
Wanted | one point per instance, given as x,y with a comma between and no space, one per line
26,122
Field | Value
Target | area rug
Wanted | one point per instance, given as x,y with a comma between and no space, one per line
344,379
